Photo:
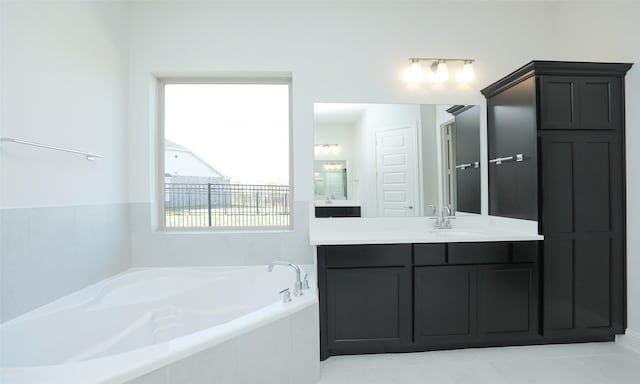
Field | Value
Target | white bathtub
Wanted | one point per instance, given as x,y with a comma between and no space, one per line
144,323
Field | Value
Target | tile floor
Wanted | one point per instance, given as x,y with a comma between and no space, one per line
590,363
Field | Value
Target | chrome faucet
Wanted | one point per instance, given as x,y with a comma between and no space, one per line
444,220
297,288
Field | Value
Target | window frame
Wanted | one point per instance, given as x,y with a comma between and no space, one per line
161,82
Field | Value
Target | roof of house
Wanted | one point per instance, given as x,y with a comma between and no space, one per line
172,146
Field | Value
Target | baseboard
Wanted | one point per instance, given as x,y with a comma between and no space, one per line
630,340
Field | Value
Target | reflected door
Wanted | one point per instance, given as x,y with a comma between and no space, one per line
397,172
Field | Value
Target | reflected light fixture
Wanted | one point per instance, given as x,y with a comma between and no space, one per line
326,148
439,69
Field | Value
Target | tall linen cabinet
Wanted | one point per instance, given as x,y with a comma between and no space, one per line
556,155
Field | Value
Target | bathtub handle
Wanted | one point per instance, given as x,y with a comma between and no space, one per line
286,295
305,281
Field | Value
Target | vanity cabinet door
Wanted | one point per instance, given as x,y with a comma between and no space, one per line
444,305
583,224
580,103
368,309
365,298
507,301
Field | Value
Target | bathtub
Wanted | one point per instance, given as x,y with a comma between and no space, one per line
169,325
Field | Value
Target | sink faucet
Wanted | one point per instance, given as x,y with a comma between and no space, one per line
444,220
297,288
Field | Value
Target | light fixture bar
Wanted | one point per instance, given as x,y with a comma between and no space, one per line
414,59
439,70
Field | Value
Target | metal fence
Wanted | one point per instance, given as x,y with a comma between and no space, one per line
226,205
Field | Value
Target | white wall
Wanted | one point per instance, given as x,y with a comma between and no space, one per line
73,49
63,221
359,59
64,84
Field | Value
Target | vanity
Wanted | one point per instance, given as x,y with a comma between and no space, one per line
405,286
547,265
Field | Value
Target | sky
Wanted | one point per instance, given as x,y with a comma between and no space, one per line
241,130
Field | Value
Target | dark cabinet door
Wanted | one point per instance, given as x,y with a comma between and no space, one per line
559,102
507,301
580,103
583,224
368,309
511,131
468,152
365,298
444,304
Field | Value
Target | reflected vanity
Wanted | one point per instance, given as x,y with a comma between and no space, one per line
396,160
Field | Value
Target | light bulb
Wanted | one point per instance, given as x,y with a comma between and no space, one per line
335,148
413,74
441,71
467,74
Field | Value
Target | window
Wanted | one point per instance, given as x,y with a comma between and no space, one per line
226,148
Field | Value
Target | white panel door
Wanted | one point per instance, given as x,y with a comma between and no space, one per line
397,172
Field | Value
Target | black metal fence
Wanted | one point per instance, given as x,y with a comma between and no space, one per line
226,205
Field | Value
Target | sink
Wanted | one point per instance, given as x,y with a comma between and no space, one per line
455,232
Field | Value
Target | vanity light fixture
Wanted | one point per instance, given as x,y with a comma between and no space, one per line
413,75
467,74
439,70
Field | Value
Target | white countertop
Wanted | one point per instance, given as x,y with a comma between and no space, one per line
466,228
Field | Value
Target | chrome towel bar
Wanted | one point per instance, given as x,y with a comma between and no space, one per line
499,160
88,155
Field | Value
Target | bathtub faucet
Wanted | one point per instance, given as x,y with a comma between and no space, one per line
297,289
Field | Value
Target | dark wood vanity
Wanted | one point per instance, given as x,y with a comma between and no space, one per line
419,297
556,156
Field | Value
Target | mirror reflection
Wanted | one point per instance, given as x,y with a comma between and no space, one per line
396,160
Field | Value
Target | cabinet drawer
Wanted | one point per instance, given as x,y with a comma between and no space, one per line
479,253
381,255
337,211
429,254
525,252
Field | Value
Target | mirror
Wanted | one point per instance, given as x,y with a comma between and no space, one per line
396,160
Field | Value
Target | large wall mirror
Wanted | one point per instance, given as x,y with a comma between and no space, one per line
396,160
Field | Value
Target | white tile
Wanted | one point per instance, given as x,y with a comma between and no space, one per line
158,376
304,360
265,354
618,369
215,365
589,363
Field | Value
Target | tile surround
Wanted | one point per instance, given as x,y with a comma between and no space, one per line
48,252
